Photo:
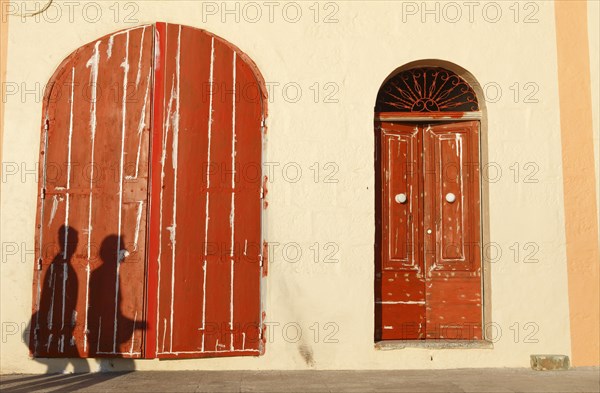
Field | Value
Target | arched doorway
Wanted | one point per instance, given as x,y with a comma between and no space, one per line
428,279
149,233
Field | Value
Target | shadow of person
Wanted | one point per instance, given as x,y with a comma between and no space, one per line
55,332
108,328
51,331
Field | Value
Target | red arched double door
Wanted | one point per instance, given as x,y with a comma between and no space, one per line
148,236
428,234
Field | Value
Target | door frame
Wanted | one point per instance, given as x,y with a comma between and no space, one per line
442,117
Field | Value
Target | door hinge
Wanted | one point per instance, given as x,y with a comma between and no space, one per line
262,193
46,125
260,332
260,260
39,264
43,194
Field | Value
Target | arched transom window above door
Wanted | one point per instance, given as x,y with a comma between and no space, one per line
426,89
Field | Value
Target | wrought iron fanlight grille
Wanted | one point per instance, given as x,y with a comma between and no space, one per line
426,89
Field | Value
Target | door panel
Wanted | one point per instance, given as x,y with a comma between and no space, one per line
435,291
401,150
452,250
93,192
400,301
208,210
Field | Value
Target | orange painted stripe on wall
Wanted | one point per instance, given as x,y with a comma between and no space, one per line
3,56
579,180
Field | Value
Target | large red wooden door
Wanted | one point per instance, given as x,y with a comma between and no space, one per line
148,234
428,276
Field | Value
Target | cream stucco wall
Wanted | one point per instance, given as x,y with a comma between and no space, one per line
355,54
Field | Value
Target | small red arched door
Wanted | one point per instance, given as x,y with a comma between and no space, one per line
428,254
148,230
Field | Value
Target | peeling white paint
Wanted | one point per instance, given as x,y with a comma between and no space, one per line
138,222
139,71
125,66
67,208
99,333
52,281
133,334
111,41
207,217
87,302
49,342
53,210
164,334
64,292
174,160
141,126
93,63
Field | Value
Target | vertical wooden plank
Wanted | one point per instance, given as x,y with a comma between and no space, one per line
134,172
154,200
191,190
246,214
217,335
167,208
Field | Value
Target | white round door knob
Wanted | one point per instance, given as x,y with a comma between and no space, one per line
400,198
450,197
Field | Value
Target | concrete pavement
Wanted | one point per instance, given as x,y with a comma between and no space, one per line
462,380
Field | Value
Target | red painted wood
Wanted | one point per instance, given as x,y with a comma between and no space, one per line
400,281
86,116
435,293
452,251
151,337
248,242
192,293
208,281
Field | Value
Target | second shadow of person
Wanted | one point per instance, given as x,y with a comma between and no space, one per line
108,328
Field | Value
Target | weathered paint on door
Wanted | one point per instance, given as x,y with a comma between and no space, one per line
206,197
400,303
150,116
428,273
92,201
